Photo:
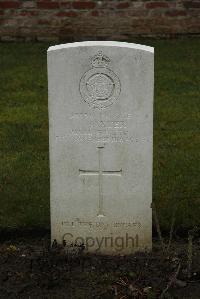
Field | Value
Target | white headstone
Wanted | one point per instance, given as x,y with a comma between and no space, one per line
101,128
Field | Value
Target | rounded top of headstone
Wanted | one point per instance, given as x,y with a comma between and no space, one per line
102,43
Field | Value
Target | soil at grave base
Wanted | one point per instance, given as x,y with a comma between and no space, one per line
30,269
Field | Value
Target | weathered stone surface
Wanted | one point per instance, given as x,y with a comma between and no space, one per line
101,127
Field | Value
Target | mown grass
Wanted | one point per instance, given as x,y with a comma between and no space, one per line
24,170
24,164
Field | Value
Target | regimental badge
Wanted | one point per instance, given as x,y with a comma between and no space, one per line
100,87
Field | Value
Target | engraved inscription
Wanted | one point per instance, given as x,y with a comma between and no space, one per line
100,87
100,224
92,129
83,116
105,136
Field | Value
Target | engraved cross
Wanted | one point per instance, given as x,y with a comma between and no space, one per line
100,172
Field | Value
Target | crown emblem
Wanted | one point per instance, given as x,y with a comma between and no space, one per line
100,86
100,60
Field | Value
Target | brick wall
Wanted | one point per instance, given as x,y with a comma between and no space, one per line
96,19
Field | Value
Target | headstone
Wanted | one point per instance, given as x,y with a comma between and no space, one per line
101,128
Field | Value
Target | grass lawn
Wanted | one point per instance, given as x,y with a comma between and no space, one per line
24,162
